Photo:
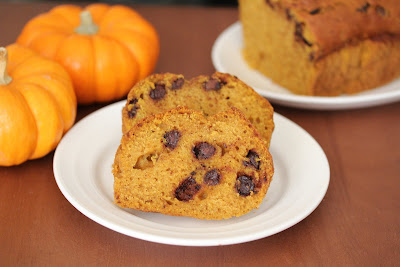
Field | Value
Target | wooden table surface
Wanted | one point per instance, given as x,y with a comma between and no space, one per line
357,223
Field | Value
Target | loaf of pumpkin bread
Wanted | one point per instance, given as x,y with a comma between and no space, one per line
183,163
323,47
208,94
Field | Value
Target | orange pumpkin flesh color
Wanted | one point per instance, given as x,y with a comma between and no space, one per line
37,105
105,49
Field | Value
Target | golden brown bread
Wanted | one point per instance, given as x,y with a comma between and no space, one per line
208,94
185,164
323,47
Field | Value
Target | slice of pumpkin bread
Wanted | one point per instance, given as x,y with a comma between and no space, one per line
183,163
208,94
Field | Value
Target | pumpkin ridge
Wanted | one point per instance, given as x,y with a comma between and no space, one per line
121,92
32,35
59,47
17,156
54,76
41,30
124,26
97,10
121,27
18,84
83,76
107,14
126,13
34,59
62,100
13,60
33,116
41,37
44,21
59,10
43,148
49,30
120,53
129,17
144,68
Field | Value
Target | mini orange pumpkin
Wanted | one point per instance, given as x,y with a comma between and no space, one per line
106,49
37,105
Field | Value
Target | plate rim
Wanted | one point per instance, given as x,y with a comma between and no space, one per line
102,218
306,102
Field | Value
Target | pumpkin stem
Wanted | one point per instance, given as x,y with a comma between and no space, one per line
4,78
87,27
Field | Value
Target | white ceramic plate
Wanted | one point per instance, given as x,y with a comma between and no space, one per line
82,169
227,57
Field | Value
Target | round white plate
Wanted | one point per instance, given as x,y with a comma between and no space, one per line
82,169
227,57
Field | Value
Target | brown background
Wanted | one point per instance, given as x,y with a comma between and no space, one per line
357,223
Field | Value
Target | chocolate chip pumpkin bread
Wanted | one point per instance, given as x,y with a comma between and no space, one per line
209,94
323,47
183,163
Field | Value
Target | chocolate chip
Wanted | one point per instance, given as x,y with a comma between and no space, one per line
132,110
380,10
269,3
187,189
177,84
364,8
133,101
244,185
253,162
193,173
158,92
203,150
212,177
288,15
315,11
299,34
212,84
311,56
298,31
172,138
223,80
